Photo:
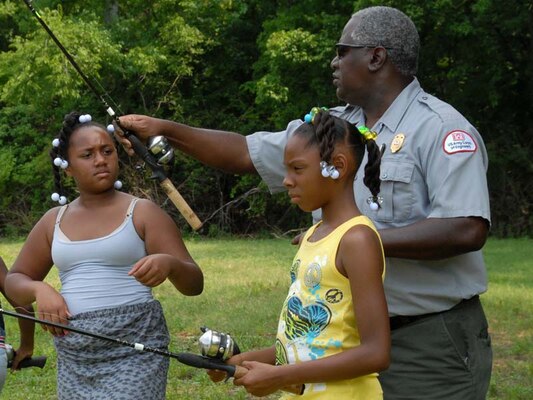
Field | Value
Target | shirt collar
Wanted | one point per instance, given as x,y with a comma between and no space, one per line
394,114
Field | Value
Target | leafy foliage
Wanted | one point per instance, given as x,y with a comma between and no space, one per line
244,66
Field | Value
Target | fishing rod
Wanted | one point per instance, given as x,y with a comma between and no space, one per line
159,145
189,359
214,362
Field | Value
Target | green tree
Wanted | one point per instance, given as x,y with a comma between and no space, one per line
248,65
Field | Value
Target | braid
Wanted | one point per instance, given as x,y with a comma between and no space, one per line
372,168
326,134
60,147
325,131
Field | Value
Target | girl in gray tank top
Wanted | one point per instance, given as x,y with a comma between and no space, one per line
110,249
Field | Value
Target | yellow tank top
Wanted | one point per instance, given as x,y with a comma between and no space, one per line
318,320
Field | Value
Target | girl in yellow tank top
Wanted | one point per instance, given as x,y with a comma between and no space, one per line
333,334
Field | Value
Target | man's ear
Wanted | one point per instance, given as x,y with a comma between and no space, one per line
379,57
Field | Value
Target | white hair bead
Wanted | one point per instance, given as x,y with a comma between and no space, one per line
57,161
62,200
138,346
85,118
110,128
334,173
55,142
64,164
374,206
55,197
118,185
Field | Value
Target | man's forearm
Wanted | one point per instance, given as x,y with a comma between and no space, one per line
224,150
435,238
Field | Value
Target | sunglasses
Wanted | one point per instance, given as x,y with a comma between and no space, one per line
343,48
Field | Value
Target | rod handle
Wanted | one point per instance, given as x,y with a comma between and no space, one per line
38,362
181,204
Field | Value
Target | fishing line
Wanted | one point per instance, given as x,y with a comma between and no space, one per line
138,147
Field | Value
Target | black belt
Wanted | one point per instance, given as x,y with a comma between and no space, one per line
401,320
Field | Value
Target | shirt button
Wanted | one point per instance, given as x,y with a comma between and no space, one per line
424,98
383,176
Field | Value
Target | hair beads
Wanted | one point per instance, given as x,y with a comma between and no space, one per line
59,151
325,131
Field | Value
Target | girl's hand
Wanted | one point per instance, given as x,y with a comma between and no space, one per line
260,380
20,354
51,306
152,270
217,375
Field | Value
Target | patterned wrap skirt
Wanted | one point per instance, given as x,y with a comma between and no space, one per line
94,369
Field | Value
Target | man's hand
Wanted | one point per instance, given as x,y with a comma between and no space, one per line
141,125
297,239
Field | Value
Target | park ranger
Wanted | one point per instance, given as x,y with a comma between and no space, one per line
433,213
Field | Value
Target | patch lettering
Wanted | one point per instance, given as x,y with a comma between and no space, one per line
459,142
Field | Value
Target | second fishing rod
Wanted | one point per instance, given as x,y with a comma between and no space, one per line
155,155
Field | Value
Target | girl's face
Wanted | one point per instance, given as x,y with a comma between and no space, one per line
303,178
93,159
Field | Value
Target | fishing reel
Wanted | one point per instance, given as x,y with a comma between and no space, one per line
217,345
159,147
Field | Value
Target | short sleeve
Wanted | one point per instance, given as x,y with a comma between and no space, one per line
457,173
266,151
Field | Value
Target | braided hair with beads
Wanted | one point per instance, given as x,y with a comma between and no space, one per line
60,145
325,131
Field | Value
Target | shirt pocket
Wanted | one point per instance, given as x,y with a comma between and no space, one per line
396,191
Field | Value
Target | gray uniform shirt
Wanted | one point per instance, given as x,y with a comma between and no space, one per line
437,171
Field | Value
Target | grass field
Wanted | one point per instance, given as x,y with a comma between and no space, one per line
245,283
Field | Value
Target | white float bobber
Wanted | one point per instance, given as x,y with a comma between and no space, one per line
55,197
118,185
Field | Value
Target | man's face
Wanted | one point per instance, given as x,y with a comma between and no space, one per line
350,66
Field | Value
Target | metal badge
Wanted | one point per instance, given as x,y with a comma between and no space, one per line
397,143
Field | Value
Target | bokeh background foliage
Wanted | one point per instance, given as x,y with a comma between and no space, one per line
247,65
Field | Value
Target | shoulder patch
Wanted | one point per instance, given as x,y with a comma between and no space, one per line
459,142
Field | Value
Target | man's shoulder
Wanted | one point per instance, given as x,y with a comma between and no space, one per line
442,110
347,112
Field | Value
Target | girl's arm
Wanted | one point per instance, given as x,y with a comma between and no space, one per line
27,328
24,282
360,259
167,255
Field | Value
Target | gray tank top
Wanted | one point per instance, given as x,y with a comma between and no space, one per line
94,273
